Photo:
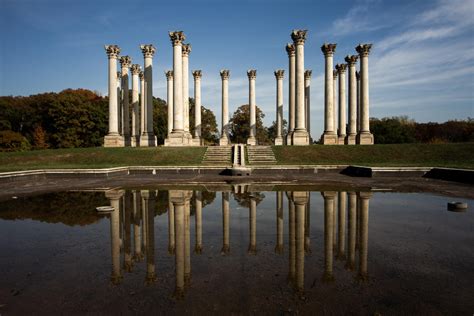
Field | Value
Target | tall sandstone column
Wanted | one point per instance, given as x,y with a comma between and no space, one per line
113,138
252,140
335,75
186,51
300,134
148,139
279,106
358,101
119,102
141,75
291,50
125,63
352,132
169,81
224,140
341,69
197,74
364,137
329,136
135,105
307,101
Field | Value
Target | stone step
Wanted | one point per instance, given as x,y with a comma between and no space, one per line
260,155
217,155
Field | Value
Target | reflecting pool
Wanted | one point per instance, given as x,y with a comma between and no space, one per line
236,249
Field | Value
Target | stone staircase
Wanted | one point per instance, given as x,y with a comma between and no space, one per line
217,155
260,155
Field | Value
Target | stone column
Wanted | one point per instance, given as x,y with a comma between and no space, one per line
252,140
135,69
358,102
114,196
225,224
125,63
224,140
141,75
300,134
364,137
186,51
341,69
300,199
198,223
291,50
350,264
292,239
279,212
119,102
352,132
307,101
253,226
364,198
171,232
169,98
336,117
329,136
329,197
279,106
197,74
149,197
148,139
113,138
341,226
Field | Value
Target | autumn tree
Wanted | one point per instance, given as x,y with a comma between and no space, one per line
239,126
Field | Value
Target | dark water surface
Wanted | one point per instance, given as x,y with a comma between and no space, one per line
239,252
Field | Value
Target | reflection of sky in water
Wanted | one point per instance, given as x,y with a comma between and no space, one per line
420,259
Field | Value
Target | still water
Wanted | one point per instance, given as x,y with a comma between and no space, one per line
237,251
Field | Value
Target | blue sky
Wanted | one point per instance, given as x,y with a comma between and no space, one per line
421,65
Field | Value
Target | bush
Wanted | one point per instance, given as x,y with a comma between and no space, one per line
13,141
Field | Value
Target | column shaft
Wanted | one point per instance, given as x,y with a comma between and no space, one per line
224,140
178,103
300,135
279,107
329,136
252,140
186,90
352,132
342,103
113,105
291,50
142,103
169,80
197,105
364,137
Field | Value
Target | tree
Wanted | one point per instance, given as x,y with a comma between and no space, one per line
239,126
160,119
39,138
209,131
272,130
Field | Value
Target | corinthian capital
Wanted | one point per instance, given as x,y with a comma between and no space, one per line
279,74
141,75
341,68
298,36
334,74
125,61
148,50
225,74
351,60
328,49
252,73
169,75
135,69
112,50
197,74
290,49
186,50
177,37
363,49
307,74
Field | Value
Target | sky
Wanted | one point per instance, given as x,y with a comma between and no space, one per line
421,64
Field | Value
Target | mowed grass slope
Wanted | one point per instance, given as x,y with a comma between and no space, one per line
101,158
460,155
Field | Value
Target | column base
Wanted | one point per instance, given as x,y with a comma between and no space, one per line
341,139
224,141
252,141
135,141
147,140
300,138
288,139
113,141
197,141
350,139
279,141
329,138
178,138
365,138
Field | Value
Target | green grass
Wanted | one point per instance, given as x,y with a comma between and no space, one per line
460,155
101,158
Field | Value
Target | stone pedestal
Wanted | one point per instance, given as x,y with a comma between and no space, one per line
329,136
113,138
252,140
364,137
224,140
279,106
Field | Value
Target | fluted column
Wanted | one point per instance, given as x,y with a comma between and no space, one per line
364,198
352,132
341,69
225,224
113,138
341,226
279,230
186,51
253,226
141,75
307,101
291,50
171,232
300,199
148,139
358,101
169,98
114,197
197,74
135,69
252,140
364,137
300,134
279,106
198,223
335,74
329,197
224,140
329,136
350,264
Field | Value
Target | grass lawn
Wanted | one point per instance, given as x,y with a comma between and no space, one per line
460,155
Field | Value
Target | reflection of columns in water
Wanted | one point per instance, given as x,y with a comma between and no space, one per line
364,232
198,219
225,223
136,217
334,220
341,225
307,237
187,241
114,197
253,226
171,234
279,209
300,199
329,197
127,242
149,204
292,239
351,226
144,221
